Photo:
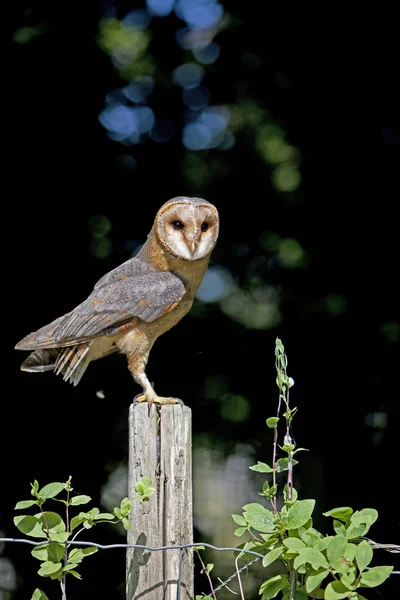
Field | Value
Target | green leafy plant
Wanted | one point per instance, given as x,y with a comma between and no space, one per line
57,559
314,566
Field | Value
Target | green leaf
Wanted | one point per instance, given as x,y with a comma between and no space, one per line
339,528
262,467
39,595
272,422
82,499
349,579
75,522
314,581
375,576
364,554
51,490
343,513
146,481
106,516
283,464
70,567
49,552
29,525
299,513
285,495
209,567
311,556
293,544
272,586
78,554
117,512
126,523
49,568
271,556
288,448
34,487
360,523
51,521
197,548
239,531
336,590
239,520
126,507
24,504
41,552
350,551
323,543
301,450
74,573
61,536
259,517
336,553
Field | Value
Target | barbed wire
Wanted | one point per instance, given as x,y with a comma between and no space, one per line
393,548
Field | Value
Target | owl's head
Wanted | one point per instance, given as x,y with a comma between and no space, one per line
187,227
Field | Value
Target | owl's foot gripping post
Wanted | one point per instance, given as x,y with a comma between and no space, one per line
153,398
136,367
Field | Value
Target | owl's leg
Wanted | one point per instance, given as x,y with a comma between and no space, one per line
137,368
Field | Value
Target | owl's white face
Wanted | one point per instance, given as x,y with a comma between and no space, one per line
188,227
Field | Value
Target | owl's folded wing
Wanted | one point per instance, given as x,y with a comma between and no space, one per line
133,267
110,309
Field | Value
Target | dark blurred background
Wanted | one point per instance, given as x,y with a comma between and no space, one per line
115,107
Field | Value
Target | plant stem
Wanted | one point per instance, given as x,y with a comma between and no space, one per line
205,570
274,460
63,589
238,576
293,582
48,533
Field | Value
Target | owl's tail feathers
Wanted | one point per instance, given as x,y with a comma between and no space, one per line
41,360
71,361
42,338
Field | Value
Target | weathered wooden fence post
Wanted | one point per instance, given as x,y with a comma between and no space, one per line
160,447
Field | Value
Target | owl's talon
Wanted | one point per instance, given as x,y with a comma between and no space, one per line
154,399
139,398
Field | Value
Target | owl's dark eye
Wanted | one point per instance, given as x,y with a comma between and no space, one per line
204,226
177,225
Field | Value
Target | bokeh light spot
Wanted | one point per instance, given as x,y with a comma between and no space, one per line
199,14
188,75
119,120
391,331
335,304
245,309
217,284
290,253
196,136
234,408
100,247
99,226
145,118
139,89
286,178
138,18
160,8
208,54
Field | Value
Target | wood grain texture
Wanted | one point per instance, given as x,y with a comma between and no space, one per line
160,447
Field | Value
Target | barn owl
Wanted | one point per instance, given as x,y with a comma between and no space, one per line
131,306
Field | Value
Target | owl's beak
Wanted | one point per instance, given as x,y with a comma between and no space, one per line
192,245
